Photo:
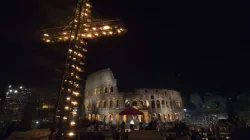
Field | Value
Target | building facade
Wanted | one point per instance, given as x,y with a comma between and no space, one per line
103,102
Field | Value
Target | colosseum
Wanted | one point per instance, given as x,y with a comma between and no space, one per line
104,102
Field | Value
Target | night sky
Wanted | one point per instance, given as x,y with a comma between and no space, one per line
187,46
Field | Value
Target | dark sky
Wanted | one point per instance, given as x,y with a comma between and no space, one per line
188,46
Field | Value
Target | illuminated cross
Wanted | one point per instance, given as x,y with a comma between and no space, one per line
82,27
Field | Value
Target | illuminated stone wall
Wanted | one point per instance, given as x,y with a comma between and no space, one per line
104,103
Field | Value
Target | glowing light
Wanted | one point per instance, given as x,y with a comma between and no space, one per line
94,28
15,91
70,50
46,35
74,113
65,118
87,4
45,106
66,108
47,40
96,34
71,134
185,109
10,90
37,122
104,33
21,87
64,33
74,103
106,27
72,123
83,49
76,93
89,35
110,33
9,86
68,98
75,20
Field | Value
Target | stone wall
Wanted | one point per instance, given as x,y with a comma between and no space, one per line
103,102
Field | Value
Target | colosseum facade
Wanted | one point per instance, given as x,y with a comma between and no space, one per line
103,102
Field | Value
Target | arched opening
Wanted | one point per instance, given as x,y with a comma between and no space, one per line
152,97
141,103
124,118
169,117
93,117
104,104
162,103
167,104
159,116
110,117
112,89
90,104
98,117
117,103
105,90
104,118
89,117
147,103
171,104
98,104
153,104
111,104
158,104
117,118
134,103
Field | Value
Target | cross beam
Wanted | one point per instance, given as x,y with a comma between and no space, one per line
82,28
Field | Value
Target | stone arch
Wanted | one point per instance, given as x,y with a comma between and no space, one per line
152,97
104,104
89,116
111,104
171,105
141,103
93,117
112,89
152,104
110,117
117,103
98,117
117,118
105,90
134,103
162,103
95,91
165,117
147,103
158,104
98,104
103,118
124,118
159,116
90,105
